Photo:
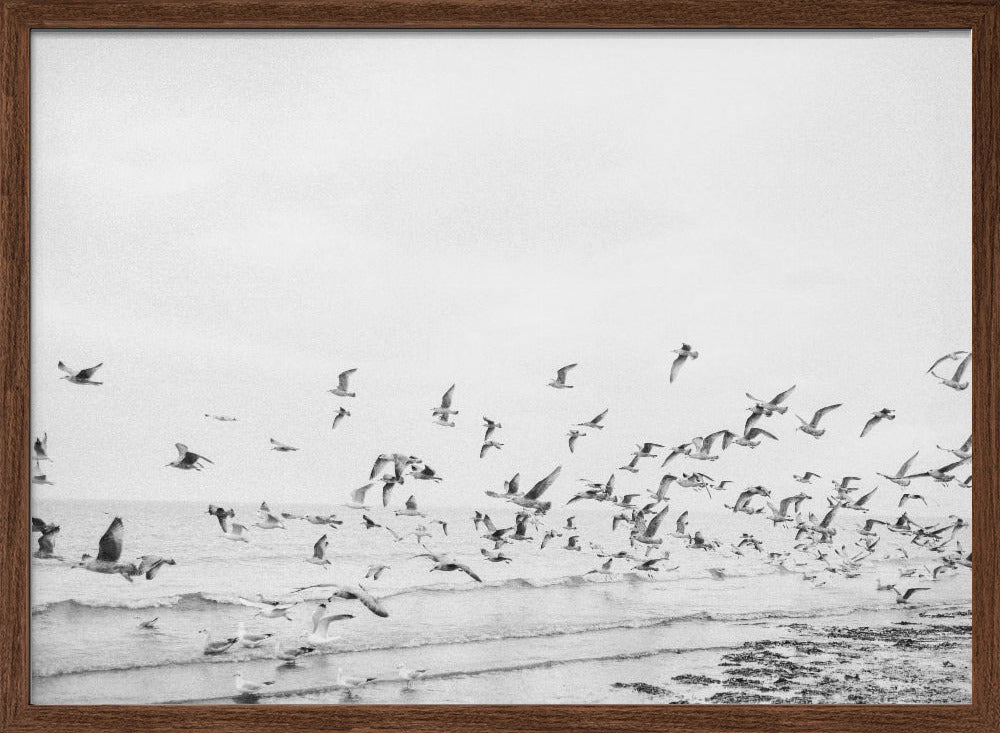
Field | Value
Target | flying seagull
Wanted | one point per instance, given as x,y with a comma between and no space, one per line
339,417
352,593
900,478
684,353
281,447
884,414
444,411
595,422
953,356
774,405
81,377
341,390
187,460
956,382
812,427
560,381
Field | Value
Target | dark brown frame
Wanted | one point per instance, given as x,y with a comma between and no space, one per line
19,17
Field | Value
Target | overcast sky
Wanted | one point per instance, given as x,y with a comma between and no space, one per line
228,220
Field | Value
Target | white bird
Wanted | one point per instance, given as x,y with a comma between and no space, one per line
560,381
352,593
291,656
900,477
81,377
769,407
411,509
149,623
574,435
595,422
941,475
905,597
444,411
491,427
341,414
41,448
956,382
220,418
249,687
41,479
321,626
235,532
884,414
812,427
965,452
375,571
341,390
358,497
268,609
266,520
806,477
409,675
248,639
953,356
319,552
186,460
216,647
281,447
703,447
485,447
684,353
351,683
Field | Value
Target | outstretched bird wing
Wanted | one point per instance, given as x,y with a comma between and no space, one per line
782,396
561,373
821,412
89,372
343,378
446,397
538,489
110,547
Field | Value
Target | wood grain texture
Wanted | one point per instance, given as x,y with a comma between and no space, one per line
18,18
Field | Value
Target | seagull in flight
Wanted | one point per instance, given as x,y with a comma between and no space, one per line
491,427
773,405
953,356
281,447
186,460
684,353
352,593
594,423
444,411
339,417
900,478
341,390
81,377
806,477
560,381
485,447
884,414
956,382
965,452
41,448
319,552
812,427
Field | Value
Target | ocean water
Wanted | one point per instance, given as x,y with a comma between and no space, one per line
543,611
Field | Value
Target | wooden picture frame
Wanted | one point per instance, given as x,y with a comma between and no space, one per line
20,17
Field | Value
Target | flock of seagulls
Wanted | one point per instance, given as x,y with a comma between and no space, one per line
640,518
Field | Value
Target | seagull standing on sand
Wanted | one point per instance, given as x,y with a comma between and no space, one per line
217,647
81,377
341,390
560,381
409,675
249,687
250,640
351,683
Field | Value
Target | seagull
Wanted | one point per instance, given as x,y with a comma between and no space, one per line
905,597
569,523
249,640
531,500
409,675
661,492
217,647
319,552
573,543
149,565
81,377
266,520
956,382
47,542
812,427
900,478
375,571
491,427
341,389
484,449
425,474
779,513
338,418
681,527
220,418
632,466
236,532
411,509
249,687
291,656
860,504
187,460
953,356
884,414
594,423
560,381
647,535
149,623
683,354
448,566
358,497
268,609
108,554
806,477
940,475
747,440
574,435
681,450
703,447
646,450
41,479
352,593
769,407
281,447
443,421
351,683
444,411
41,446
965,452
907,497
605,569
321,625
399,461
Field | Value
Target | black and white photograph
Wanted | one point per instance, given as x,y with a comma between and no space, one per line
501,367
